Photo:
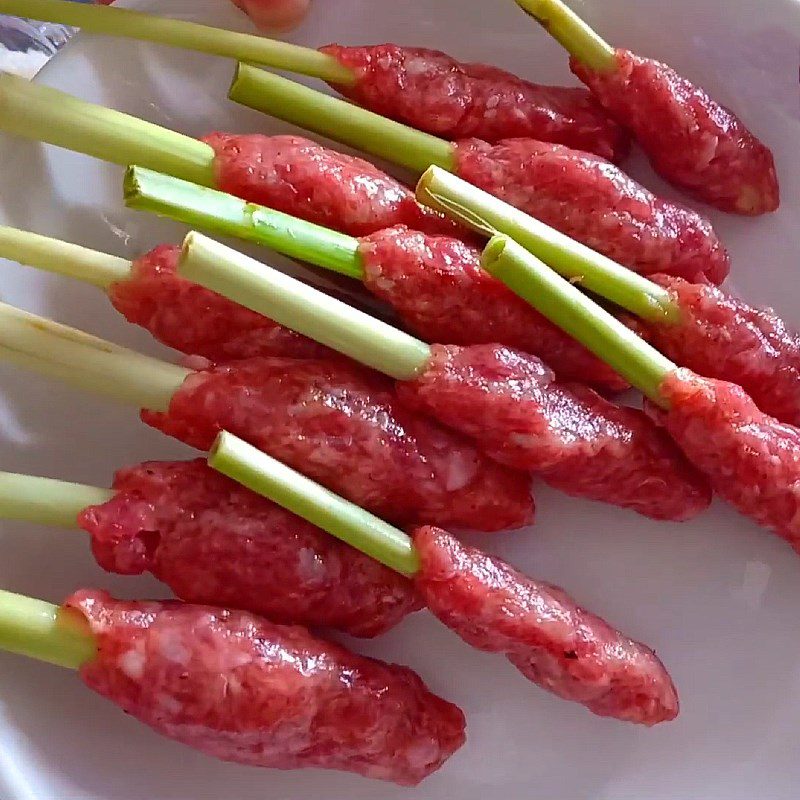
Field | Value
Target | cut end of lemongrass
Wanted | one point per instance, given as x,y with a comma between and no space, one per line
571,32
226,215
575,261
302,308
63,258
44,631
295,492
579,316
339,120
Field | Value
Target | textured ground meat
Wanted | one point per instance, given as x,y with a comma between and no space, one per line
721,336
542,631
305,179
577,441
433,92
194,320
343,426
751,459
240,688
692,141
213,541
437,287
596,203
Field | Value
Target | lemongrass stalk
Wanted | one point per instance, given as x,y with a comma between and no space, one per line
571,32
579,316
226,215
339,120
38,112
45,631
113,21
270,478
45,501
85,361
63,258
580,264
302,308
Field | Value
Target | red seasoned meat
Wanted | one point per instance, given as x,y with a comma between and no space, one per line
542,631
593,201
723,337
438,288
304,179
577,441
692,141
751,459
343,426
213,541
197,321
240,688
429,90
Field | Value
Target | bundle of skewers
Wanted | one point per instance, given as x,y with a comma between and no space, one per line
341,449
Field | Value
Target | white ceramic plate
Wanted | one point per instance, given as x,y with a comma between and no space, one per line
718,598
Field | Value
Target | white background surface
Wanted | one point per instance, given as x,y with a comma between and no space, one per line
718,598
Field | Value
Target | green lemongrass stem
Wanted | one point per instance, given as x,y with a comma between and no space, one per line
580,264
63,258
122,22
45,501
339,120
87,362
45,631
38,112
571,32
300,495
302,308
226,215
579,316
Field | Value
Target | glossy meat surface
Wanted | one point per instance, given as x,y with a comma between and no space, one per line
437,287
343,426
305,179
197,321
691,140
542,631
213,541
720,336
751,459
577,441
591,200
429,90
240,688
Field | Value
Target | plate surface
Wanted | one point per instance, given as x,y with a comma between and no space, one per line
717,598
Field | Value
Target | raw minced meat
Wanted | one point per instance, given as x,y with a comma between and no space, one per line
240,688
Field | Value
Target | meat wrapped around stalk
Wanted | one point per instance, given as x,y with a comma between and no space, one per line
424,88
240,688
691,140
214,542
507,401
540,629
339,422
750,458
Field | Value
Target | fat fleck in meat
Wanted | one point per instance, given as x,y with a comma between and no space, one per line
304,179
213,541
197,321
542,631
591,200
692,141
429,90
343,426
751,459
721,336
577,441
437,286
240,688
